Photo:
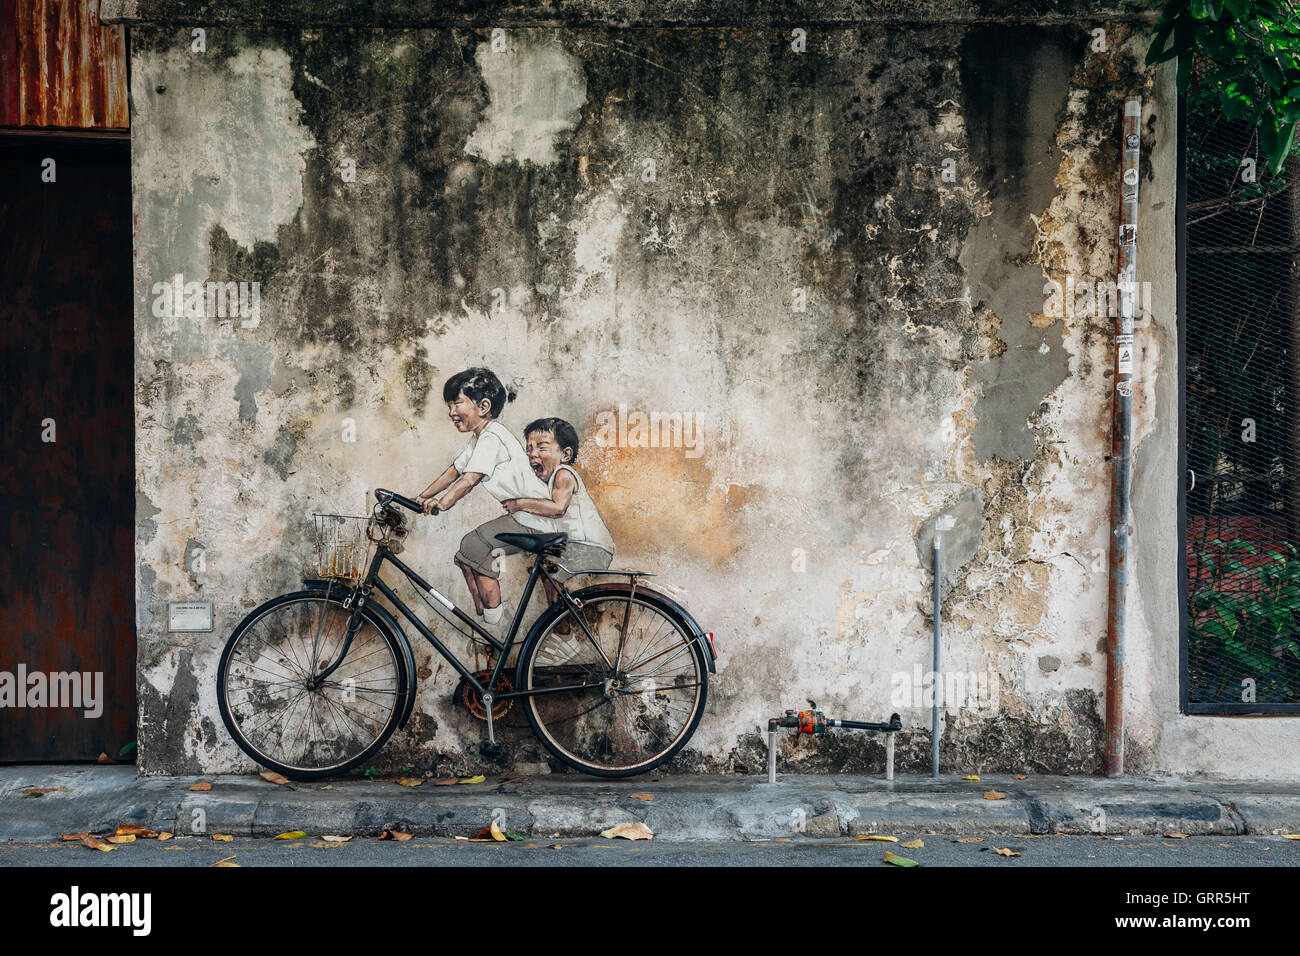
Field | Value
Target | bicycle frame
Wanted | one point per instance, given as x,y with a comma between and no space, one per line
372,582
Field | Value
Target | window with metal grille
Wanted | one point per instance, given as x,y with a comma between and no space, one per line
1240,234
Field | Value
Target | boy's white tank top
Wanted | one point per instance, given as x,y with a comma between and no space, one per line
581,521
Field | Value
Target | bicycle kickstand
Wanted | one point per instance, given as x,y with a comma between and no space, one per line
489,747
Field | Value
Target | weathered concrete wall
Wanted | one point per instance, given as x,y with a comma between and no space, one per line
502,213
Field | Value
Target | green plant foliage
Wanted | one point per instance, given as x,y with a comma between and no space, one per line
1247,617
1253,47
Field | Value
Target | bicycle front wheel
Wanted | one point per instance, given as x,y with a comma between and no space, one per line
281,714
620,697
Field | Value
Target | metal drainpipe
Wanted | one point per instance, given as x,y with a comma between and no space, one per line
945,523
1122,439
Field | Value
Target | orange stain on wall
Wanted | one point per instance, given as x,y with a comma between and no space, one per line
656,500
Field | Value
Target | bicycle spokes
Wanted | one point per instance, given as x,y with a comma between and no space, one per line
281,706
615,718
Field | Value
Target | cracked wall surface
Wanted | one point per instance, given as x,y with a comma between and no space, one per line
695,220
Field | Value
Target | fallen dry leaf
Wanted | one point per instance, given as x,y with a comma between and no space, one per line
105,758
897,860
489,834
75,836
969,840
127,838
225,862
628,831
397,835
642,796
96,844
1176,836
913,844
130,829
995,795
41,791
450,782
557,846
1007,851
165,835
336,839
1291,836
290,835
223,837
882,839
409,782
970,777
202,785
478,779
270,776
1018,777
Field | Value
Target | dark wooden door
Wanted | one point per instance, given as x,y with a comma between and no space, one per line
67,629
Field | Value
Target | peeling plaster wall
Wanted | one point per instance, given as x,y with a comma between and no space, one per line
501,215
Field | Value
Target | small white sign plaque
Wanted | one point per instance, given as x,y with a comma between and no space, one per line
189,616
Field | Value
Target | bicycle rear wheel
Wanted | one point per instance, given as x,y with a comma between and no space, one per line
608,715
269,704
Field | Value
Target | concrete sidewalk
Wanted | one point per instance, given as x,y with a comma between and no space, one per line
736,807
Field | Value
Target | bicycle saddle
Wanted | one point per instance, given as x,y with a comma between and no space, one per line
535,543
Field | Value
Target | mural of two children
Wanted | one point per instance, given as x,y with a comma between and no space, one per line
538,488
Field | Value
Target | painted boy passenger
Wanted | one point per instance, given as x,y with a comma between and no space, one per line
552,446
495,459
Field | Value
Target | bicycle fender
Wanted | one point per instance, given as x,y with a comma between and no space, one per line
652,595
395,629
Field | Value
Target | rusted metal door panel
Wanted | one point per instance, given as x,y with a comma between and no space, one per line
61,67
67,488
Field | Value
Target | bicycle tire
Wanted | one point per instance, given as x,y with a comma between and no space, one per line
298,772
525,679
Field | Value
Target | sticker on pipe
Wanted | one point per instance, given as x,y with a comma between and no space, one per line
1125,363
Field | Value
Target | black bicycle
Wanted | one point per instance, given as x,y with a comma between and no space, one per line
613,677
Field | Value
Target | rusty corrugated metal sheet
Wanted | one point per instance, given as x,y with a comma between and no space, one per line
61,67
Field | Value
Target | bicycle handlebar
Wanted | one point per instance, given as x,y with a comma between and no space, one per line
383,494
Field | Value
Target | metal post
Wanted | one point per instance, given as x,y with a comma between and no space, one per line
771,756
889,755
944,523
1121,438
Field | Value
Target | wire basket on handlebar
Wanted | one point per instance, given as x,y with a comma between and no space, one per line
345,543
342,546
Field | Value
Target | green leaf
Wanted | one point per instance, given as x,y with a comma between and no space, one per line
1272,73
126,749
1164,26
1236,106
897,860
1281,141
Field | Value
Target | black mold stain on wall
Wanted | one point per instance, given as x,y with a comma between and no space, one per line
1013,106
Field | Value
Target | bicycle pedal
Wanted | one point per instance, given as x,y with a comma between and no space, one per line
488,748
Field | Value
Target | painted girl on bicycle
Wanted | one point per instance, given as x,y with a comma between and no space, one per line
494,459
